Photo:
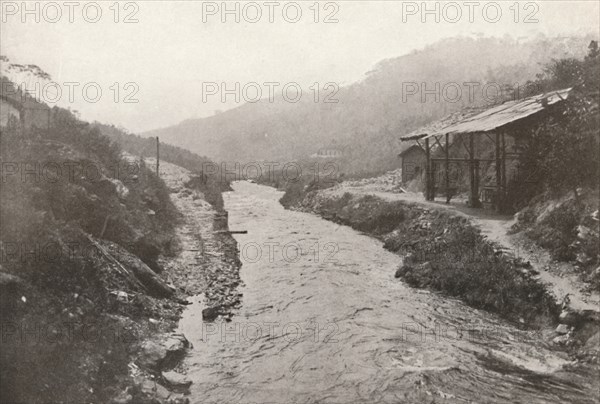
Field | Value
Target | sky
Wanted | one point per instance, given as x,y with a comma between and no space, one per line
157,63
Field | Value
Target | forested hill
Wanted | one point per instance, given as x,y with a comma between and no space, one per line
371,113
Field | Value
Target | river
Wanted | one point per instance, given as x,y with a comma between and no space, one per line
324,321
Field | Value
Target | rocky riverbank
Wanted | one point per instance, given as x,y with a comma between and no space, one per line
107,333
206,263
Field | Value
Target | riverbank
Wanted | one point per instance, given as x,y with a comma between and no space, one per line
206,263
443,251
97,323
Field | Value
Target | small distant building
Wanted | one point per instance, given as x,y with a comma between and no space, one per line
414,160
21,107
328,153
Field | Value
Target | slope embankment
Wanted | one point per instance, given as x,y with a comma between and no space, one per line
445,251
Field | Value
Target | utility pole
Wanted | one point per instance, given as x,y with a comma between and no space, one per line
157,155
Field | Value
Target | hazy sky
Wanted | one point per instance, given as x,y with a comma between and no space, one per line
170,51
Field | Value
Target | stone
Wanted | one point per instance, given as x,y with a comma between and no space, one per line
211,313
561,340
593,343
400,272
176,380
583,259
178,399
122,190
584,233
153,389
176,343
572,318
152,355
562,329
123,398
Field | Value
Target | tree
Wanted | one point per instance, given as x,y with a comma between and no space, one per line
565,148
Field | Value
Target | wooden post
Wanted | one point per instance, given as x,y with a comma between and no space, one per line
448,195
473,171
503,172
499,197
157,155
427,171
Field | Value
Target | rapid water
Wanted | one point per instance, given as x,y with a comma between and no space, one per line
324,321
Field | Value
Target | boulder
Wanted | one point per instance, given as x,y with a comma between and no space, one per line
152,355
400,272
178,399
153,389
593,343
154,284
562,329
569,317
561,339
177,381
211,313
123,398
176,343
122,190
583,259
584,233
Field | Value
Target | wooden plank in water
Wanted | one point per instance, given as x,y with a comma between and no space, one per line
231,231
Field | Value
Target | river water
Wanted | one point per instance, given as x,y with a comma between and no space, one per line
324,321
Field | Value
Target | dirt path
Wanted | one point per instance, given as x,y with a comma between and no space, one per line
207,262
560,277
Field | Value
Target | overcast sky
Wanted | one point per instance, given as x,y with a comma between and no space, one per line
171,51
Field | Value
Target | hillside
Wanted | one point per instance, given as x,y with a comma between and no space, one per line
371,113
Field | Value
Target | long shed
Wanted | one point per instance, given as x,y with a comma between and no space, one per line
463,131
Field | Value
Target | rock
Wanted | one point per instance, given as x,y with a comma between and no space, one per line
569,317
177,381
121,189
152,355
211,313
155,285
153,389
595,274
178,399
585,233
123,398
561,340
399,272
176,343
593,343
583,258
562,329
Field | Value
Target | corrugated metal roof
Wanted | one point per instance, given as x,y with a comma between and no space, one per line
492,118
448,120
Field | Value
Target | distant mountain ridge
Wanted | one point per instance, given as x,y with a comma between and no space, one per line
372,113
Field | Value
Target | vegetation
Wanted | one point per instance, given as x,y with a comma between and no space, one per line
563,151
78,218
447,254
372,113
562,154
